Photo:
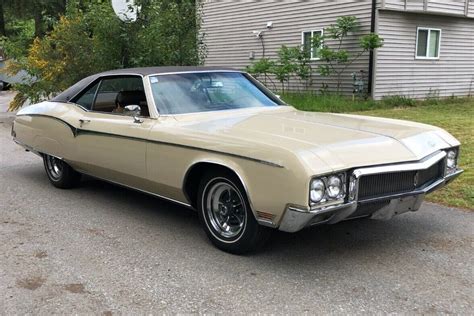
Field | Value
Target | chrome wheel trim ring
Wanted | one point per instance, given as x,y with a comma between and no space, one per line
55,167
226,210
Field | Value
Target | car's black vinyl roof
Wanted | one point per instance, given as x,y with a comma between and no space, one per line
69,93
144,71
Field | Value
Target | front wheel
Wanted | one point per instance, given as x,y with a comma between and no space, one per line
224,211
60,174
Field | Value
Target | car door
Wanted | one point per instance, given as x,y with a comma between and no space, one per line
111,144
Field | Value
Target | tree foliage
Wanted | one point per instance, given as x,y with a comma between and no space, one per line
89,38
291,62
43,13
337,59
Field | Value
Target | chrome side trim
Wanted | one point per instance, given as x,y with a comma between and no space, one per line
140,190
29,148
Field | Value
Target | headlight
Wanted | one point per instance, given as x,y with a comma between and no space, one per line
334,187
317,190
330,189
451,160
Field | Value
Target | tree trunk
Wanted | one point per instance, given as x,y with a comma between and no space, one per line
38,23
2,20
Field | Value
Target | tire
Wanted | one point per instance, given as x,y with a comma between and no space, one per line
226,215
60,174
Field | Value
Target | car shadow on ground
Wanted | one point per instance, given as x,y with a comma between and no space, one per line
343,240
325,239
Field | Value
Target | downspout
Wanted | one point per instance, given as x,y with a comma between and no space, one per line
371,54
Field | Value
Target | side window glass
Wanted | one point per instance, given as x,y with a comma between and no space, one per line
114,94
87,98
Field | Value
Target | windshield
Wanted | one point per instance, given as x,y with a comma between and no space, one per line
208,91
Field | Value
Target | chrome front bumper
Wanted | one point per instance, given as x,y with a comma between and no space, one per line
297,218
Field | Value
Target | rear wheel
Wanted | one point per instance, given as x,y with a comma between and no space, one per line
60,173
225,213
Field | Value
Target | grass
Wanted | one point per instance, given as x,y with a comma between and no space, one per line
454,115
328,103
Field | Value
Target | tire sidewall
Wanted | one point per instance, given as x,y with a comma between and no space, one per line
205,214
48,173
248,239
69,177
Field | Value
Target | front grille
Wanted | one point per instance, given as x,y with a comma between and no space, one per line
377,185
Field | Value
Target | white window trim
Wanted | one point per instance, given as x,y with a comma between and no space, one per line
429,29
312,35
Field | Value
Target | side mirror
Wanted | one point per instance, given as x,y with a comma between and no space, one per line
132,110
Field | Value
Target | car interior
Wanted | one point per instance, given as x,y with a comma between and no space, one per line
106,95
107,101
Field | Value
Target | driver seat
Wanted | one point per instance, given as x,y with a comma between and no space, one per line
136,97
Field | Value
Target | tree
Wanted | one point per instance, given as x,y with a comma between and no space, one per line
43,12
337,60
2,20
89,38
292,61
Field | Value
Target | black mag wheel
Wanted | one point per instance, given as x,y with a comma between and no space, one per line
60,174
224,211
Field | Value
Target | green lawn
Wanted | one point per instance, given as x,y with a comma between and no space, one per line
454,115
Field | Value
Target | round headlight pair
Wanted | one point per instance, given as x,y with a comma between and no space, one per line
451,159
332,188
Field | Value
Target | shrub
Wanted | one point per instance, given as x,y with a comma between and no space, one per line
336,60
292,61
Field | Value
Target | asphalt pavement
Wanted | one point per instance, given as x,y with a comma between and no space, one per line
103,249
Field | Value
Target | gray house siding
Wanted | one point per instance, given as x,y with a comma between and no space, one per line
398,72
229,26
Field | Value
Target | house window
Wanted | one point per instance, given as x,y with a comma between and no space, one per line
428,42
307,38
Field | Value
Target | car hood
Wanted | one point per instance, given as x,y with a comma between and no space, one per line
338,140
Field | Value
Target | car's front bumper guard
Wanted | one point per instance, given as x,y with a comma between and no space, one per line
297,218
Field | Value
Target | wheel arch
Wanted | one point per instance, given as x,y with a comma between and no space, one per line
195,173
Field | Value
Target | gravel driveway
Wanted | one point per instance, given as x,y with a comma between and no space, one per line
103,249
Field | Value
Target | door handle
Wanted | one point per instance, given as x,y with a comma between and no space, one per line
81,122
137,120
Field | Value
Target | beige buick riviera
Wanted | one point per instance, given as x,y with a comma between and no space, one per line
216,140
